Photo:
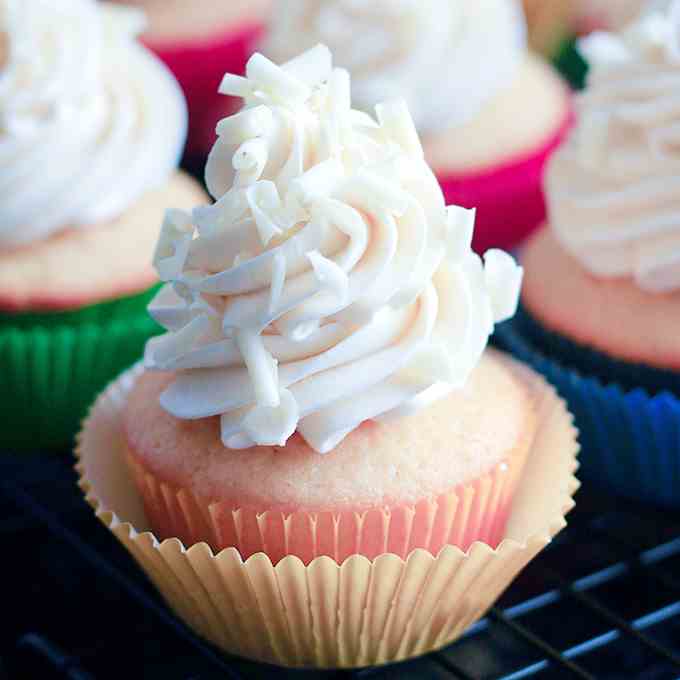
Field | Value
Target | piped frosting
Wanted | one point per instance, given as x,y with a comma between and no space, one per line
447,59
328,284
89,119
614,188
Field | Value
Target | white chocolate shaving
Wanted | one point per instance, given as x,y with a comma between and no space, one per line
460,229
173,244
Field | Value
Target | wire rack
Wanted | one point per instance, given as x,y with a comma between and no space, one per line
602,601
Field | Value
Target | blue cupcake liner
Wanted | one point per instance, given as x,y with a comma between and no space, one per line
593,363
630,438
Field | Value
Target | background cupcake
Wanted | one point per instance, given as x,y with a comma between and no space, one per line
91,130
467,76
199,40
322,396
602,295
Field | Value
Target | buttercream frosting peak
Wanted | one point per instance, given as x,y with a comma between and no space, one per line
614,188
89,119
328,284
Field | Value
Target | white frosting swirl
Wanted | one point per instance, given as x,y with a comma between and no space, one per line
614,188
446,58
89,119
328,284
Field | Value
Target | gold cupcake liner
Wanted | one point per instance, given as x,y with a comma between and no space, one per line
325,614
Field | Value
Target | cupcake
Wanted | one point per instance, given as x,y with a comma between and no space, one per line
601,303
467,77
199,41
91,129
321,427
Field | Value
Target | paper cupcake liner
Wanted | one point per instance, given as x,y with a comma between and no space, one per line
477,511
630,439
508,197
199,65
593,363
53,365
325,614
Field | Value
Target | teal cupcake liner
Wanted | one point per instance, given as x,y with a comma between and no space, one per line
630,437
53,365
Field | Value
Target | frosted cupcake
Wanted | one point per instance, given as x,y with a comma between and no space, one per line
602,297
91,129
200,40
467,77
322,405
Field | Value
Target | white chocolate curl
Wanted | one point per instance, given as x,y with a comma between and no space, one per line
614,188
89,119
328,284
447,58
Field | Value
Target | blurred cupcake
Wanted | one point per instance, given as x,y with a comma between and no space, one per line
91,129
467,77
602,297
199,40
321,405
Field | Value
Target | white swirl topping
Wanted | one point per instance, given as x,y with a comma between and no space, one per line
614,188
328,284
447,59
89,119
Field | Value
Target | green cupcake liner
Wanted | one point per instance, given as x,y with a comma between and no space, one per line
569,62
52,365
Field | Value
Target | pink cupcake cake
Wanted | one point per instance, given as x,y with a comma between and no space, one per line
199,41
322,429
489,113
417,482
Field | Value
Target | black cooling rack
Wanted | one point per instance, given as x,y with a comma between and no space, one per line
602,601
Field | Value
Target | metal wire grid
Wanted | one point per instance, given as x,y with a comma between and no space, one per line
603,601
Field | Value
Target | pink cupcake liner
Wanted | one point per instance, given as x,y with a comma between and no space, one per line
199,65
509,197
477,511
324,614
